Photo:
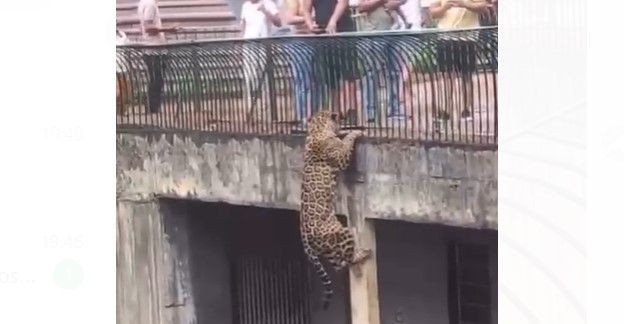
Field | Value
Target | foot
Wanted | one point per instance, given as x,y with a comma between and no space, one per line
358,259
361,256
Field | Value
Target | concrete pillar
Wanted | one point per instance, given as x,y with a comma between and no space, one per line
363,285
153,284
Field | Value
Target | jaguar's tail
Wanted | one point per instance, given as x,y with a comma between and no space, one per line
320,271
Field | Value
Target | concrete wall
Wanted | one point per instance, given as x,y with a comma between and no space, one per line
387,180
412,270
162,279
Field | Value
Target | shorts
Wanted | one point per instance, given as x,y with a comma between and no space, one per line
456,55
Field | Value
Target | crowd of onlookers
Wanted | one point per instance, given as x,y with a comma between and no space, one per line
265,18
262,18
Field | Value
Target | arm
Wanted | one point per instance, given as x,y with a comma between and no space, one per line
338,152
274,18
426,17
307,14
292,18
341,6
272,13
368,5
395,4
437,10
476,6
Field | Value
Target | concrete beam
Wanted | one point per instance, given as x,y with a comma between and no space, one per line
401,181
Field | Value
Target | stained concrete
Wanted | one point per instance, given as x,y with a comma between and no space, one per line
388,180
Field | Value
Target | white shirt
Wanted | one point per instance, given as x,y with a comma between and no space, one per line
148,13
411,9
257,24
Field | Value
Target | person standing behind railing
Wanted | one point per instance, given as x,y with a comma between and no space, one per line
152,32
257,17
332,64
122,85
300,53
414,14
456,57
489,16
378,18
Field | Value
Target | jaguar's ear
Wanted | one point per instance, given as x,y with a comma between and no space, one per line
334,116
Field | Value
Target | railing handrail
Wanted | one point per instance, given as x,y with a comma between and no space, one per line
360,34
432,85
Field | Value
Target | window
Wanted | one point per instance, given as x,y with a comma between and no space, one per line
469,284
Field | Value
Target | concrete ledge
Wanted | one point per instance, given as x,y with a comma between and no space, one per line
387,180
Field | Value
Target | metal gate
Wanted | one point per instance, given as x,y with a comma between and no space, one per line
271,278
272,291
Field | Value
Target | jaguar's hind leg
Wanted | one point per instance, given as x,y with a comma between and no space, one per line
355,255
361,255
337,261
349,252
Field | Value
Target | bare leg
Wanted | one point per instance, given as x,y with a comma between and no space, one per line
335,101
467,95
446,104
405,92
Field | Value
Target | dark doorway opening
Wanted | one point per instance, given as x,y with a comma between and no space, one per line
436,274
247,266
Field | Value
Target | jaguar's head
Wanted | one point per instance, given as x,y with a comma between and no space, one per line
325,122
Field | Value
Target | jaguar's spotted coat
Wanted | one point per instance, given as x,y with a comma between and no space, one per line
322,233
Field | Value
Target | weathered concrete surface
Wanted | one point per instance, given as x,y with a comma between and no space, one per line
391,180
153,278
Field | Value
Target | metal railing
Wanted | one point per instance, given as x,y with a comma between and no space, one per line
435,86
